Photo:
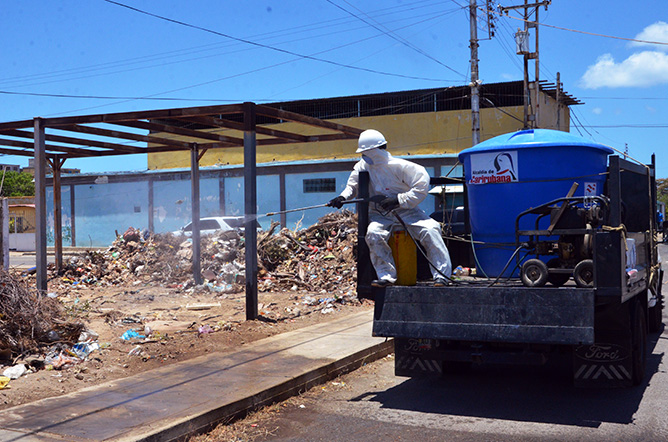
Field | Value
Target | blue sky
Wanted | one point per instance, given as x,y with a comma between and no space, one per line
110,57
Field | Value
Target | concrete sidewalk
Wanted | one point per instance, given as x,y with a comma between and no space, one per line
177,400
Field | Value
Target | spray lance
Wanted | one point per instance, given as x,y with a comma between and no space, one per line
359,200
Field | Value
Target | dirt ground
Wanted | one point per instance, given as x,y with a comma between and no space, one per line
181,325
134,306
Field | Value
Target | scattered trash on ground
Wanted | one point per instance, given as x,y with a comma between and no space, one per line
314,267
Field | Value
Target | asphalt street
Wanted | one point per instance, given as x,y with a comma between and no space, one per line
25,260
507,403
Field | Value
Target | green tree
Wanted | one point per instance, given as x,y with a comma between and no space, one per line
662,190
17,184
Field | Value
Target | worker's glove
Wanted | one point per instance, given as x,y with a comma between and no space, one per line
390,203
336,202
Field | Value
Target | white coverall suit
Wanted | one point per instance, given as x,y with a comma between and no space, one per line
409,182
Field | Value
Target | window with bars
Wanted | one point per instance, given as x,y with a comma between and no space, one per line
320,185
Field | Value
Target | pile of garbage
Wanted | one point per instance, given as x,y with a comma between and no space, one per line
320,258
162,258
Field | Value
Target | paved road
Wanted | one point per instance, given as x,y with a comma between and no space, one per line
518,404
20,260
487,404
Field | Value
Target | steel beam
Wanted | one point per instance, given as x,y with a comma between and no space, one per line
56,166
73,217
40,204
250,208
194,193
267,111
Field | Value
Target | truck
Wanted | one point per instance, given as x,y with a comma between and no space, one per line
589,286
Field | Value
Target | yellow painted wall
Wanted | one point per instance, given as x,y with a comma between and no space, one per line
428,133
28,215
548,114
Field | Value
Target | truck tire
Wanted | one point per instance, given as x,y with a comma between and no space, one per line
556,279
583,274
638,344
534,273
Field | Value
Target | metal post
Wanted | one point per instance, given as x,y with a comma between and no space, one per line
194,194
282,199
221,195
558,101
475,99
4,231
151,208
56,166
250,208
73,218
526,70
536,100
40,203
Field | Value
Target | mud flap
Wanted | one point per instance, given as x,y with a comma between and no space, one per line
603,365
416,358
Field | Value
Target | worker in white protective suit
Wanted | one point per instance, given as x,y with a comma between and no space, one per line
398,185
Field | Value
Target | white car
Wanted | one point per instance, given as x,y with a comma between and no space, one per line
209,226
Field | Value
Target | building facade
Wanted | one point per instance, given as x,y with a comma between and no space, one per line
428,126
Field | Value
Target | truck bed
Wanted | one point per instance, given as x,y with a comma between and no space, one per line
519,314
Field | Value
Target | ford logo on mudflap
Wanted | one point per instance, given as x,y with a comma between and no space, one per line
602,352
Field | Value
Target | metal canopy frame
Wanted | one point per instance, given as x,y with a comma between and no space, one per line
190,129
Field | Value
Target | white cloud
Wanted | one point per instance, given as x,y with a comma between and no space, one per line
655,32
643,69
597,110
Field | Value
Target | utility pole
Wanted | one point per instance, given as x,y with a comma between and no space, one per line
475,81
558,101
531,108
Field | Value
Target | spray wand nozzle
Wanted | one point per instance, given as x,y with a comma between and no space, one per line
359,200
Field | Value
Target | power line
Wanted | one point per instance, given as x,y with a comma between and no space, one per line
578,31
391,35
224,78
193,50
625,98
260,45
103,97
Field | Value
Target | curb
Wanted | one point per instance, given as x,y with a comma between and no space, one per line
235,410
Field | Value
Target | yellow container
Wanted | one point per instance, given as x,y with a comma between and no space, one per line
405,257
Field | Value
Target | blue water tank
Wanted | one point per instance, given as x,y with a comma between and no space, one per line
511,173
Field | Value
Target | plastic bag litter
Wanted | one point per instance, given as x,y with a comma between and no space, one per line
83,349
131,334
15,372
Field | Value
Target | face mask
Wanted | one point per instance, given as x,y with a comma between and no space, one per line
375,156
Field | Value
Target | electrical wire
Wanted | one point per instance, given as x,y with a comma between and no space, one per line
391,34
319,25
584,32
273,48
227,77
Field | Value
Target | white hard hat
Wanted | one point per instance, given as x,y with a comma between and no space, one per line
370,139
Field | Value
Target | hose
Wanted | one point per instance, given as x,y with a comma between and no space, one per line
401,221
